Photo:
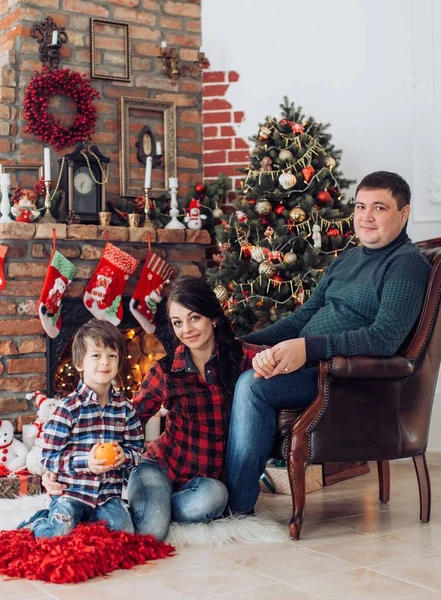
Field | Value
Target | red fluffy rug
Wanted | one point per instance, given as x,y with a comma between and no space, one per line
89,551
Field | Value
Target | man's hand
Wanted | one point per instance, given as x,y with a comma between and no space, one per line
50,483
289,355
98,465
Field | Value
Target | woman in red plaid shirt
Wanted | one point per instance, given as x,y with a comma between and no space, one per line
180,476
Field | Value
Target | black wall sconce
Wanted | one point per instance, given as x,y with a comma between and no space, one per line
50,39
171,67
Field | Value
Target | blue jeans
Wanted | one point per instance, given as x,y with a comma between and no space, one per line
154,503
253,428
65,514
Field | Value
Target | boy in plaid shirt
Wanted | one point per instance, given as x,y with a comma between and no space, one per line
93,414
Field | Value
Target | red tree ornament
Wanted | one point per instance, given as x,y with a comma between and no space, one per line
279,209
199,188
324,197
278,278
333,231
307,173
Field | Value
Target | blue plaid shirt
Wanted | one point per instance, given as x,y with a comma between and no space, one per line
78,423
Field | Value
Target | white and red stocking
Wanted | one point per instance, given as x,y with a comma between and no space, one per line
60,273
143,305
103,294
3,250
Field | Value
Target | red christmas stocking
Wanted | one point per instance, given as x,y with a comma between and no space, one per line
3,250
59,274
155,274
103,294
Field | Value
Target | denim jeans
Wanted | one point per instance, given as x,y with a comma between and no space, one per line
154,503
65,514
253,428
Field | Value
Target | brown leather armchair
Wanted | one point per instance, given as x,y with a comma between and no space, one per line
370,408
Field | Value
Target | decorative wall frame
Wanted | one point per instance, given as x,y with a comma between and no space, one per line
160,117
17,169
115,63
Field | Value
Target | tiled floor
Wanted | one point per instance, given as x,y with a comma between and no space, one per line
352,548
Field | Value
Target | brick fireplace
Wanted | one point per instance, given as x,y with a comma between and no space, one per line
27,359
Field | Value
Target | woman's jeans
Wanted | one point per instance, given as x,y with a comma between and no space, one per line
65,514
154,503
253,428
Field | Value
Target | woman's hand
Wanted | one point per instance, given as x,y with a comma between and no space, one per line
264,363
50,483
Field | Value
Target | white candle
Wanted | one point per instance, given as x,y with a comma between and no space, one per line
54,37
47,164
158,148
1,168
163,44
5,180
173,182
148,172
201,50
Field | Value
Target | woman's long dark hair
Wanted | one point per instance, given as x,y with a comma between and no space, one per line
195,294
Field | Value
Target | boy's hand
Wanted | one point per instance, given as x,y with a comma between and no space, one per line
52,486
98,465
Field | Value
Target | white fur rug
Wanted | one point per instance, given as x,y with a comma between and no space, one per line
252,529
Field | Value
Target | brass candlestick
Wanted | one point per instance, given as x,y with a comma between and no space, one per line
147,223
47,217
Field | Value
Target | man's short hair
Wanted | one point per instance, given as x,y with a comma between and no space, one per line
104,334
385,180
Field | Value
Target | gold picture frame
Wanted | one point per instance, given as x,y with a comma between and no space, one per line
110,63
24,167
160,117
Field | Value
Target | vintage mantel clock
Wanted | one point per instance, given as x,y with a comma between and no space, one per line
84,180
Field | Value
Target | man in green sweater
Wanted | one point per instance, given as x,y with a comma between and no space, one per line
366,304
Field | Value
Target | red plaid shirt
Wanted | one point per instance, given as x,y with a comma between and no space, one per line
194,440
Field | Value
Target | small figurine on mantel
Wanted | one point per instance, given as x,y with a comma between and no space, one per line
24,208
193,218
12,451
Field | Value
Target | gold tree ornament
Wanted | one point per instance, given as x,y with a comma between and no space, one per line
286,155
287,180
264,133
290,258
330,162
218,213
267,269
297,214
221,294
263,208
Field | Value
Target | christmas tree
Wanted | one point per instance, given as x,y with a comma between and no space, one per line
291,221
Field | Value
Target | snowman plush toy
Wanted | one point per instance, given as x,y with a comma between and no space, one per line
46,407
193,218
12,451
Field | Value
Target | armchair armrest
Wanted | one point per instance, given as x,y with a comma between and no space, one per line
387,368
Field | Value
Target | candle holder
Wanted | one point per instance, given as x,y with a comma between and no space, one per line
174,210
5,206
133,219
104,218
147,223
47,217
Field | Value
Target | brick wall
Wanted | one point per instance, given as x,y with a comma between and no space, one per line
224,150
150,20
22,338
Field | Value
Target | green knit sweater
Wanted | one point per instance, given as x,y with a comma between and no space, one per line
365,304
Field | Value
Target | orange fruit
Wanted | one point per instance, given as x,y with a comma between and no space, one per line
107,451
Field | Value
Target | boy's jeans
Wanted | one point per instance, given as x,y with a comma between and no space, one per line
65,514
154,504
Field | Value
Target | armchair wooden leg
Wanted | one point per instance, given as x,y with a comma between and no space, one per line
296,472
384,480
423,486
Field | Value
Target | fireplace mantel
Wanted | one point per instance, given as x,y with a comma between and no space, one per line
22,338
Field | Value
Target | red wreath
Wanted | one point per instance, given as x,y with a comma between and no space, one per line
49,129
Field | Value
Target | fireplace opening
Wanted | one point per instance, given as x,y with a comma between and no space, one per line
142,349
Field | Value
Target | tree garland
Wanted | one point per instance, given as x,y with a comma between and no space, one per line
49,129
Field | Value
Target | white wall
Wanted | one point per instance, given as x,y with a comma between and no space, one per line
370,68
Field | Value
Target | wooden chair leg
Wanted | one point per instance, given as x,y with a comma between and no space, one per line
296,473
423,486
384,480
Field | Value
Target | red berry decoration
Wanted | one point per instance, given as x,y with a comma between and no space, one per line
46,126
324,197
278,278
279,209
199,188
307,173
